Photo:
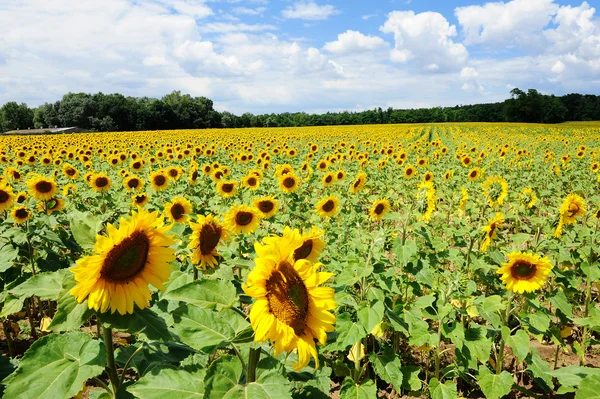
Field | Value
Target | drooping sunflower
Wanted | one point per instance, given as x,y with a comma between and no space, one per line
289,183
291,309
6,196
524,272
117,275
21,197
328,206
267,206
379,209
495,190
194,174
177,210
491,230
242,219
359,183
140,199
206,235
572,207
528,198
20,214
133,183
100,182
52,205
426,200
227,188
159,180
42,188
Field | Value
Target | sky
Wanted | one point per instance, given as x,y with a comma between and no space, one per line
264,56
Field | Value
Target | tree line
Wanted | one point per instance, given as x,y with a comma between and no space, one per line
115,112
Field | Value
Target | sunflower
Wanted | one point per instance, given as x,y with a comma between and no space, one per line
42,188
133,183
206,235
464,197
117,275
177,210
227,188
289,183
495,190
474,174
70,172
340,175
159,180
20,214
266,206
359,183
52,205
409,172
194,174
251,181
6,196
174,172
140,199
13,174
426,200
528,198
69,189
100,182
524,272
291,309
242,219
491,230
328,179
379,209
572,207
21,197
328,206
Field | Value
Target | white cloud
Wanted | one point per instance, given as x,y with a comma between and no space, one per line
353,42
249,11
558,67
468,73
368,16
222,27
425,38
309,10
517,22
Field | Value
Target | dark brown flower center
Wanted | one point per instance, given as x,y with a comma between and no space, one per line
194,175
227,187
304,251
140,199
43,186
126,259
328,206
22,213
210,235
137,165
252,181
492,229
328,179
340,176
289,182
573,209
177,211
243,218
474,173
379,209
357,183
133,183
71,171
173,172
522,270
21,198
266,206
288,297
101,182
16,175
160,180
4,196
409,172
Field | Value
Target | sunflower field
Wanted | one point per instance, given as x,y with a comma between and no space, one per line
435,261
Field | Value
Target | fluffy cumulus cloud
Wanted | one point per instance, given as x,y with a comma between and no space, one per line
352,41
425,38
246,56
309,10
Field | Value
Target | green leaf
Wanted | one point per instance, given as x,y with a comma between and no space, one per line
494,386
70,315
170,382
43,285
202,329
589,388
204,293
540,370
56,366
367,390
8,255
144,322
387,366
560,301
410,378
12,305
371,315
348,333
571,376
222,376
489,307
519,344
447,390
84,227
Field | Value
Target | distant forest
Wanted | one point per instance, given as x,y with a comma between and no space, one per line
115,112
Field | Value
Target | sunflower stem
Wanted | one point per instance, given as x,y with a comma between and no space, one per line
103,385
8,334
138,350
253,358
111,366
506,316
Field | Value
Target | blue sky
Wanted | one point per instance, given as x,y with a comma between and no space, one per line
267,56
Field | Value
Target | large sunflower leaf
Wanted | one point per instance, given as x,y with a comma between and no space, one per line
202,329
56,366
204,293
144,322
350,390
70,315
46,285
494,386
170,382
84,227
